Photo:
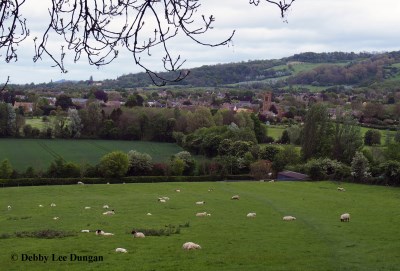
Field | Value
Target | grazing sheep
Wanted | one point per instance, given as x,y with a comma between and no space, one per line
99,232
112,212
203,214
251,215
190,246
345,217
236,197
9,207
85,230
137,234
81,183
165,198
162,200
120,249
56,218
210,190
105,207
200,202
87,208
108,234
271,181
148,214
177,190
289,218
341,189
53,205
108,182
40,205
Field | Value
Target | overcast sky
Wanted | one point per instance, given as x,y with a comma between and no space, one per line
313,25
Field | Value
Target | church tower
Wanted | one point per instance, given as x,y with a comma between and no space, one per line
267,101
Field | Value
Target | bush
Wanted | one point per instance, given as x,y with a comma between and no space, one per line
114,164
325,168
372,137
260,169
391,172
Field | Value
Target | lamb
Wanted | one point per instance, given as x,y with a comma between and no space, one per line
112,212
162,200
81,183
56,218
9,207
53,205
40,205
177,190
105,207
190,246
120,249
148,214
345,217
137,234
203,214
341,189
251,215
85,230
100,232
87,208
289,218
200,202
235,197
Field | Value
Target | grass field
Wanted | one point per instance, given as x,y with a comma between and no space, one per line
39,153
275,131
317,240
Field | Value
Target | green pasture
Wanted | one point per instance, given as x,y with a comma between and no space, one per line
317,240
275,131
39,153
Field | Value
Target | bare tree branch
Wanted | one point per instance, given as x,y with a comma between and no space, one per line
98,29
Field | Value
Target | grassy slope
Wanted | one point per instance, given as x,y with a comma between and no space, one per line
40,153
230,241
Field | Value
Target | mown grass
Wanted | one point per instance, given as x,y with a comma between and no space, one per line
317,240
39,153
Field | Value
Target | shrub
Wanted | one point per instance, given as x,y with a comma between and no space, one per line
372,137
114,164
325,168
391,172
261,169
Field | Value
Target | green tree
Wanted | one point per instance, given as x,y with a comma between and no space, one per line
114,164
360,167
318,131
190,164
372,137
75,124
6,169
139,163
176,167
347,140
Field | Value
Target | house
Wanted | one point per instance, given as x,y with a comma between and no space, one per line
79,102
292,176
28,107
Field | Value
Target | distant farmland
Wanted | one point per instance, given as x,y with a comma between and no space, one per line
39,153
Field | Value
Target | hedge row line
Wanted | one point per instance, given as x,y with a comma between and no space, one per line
134,179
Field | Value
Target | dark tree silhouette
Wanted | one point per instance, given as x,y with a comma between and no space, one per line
97,29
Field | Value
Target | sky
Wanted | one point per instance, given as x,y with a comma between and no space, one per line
260,33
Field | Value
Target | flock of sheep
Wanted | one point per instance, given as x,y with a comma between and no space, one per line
188,245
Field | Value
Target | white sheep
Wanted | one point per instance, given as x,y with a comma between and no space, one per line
56,218
138,234
165,198
177,190
148,214
100,232
345,217
236,197
53,205
81,183
251,215
210,190
203,214
120,249
112,212
108,234
162,200
271,181
9,207
105,207
190,246
288,218
200,202
341,189
85,230
40,205
87,207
